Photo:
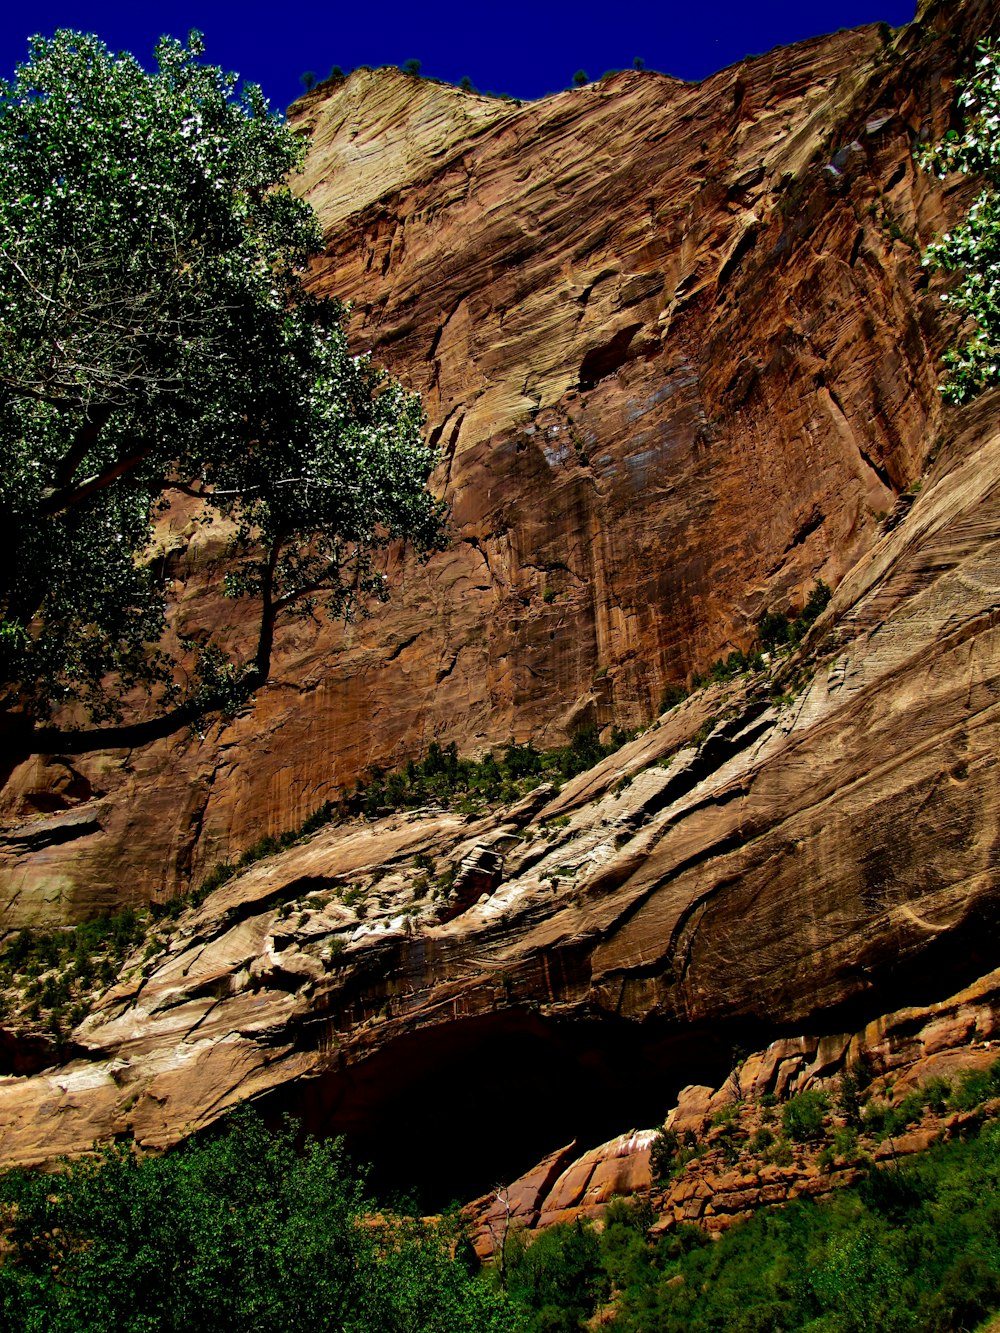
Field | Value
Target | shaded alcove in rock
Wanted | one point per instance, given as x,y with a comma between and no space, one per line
453,1110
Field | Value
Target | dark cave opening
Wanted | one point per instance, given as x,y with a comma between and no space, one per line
449,1112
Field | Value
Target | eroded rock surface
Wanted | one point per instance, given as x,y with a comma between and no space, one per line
815,859
679,355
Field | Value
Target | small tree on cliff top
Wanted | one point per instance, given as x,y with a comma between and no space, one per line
973,247
156,341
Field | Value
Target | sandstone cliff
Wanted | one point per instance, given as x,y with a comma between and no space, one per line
744,868
679,355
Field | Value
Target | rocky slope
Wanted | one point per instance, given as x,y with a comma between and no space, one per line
739,1157
679,355
745,868
669,413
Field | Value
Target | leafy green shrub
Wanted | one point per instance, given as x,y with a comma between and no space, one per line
669,1154
777,629
761,1141
559,1278
725,1115
974,1086
625,1254
672,695
238,1232
845,1143
849,1096
936,1092
802,1116
781,1153
971,247
663,1154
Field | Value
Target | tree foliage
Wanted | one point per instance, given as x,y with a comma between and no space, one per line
239,1232
156,342
972,248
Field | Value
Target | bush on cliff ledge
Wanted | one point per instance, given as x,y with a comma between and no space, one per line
972,248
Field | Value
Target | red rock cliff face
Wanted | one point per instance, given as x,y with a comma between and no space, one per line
679,356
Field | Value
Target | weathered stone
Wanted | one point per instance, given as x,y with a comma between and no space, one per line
692,1111
766,865
657,420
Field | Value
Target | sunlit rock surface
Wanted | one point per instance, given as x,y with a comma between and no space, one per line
681,359
679,355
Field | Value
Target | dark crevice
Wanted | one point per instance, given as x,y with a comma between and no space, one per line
742,248
402,646
450,1112
600,362
879,471
805,530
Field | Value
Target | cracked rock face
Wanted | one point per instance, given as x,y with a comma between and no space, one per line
809,861
679,355
677,368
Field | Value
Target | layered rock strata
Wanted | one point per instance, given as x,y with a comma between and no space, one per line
679,355
759,861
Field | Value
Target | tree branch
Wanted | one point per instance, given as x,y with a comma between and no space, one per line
86,437
57,502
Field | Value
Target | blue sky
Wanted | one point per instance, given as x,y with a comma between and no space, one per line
521,47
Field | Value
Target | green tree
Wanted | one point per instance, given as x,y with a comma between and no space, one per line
559,1277
157,342
972,248
411,67
580,78
239,1232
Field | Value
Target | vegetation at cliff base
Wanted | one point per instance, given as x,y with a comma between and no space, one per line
244,1229
156,345
240,1231
914,1246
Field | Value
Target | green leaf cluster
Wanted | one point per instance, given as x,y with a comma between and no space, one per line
239,1231
158,345
441,776
777,632
972,248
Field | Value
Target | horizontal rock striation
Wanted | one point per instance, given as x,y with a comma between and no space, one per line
804,850
679,355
